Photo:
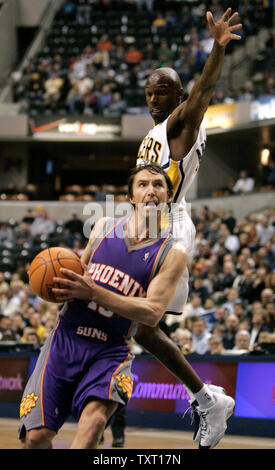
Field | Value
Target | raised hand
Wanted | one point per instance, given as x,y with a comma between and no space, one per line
222,30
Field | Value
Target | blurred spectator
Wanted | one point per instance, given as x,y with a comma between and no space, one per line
133,55
244,184
242,342
232,297
231,323
267,296
6,233
226,278
104,43
200,335
165,55
231,241
75,224
215,345
6,331
104,98
245,286
259,323
194,307
220,316
32,337
4,286
78,247
18,324
207,41
117,107
29,217
239,310
183,338
199,289
10,303
22,234
209,315
42,224
53,87
219,330
36,323
265,230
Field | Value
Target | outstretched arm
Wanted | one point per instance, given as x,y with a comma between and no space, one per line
183,124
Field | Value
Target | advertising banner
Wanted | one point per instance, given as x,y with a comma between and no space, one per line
156,389
220,115
263,108
13,378
255,393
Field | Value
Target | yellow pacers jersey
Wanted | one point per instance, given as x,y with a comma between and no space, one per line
155,148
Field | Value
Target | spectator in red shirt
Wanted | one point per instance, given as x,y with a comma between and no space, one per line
104,43
133,55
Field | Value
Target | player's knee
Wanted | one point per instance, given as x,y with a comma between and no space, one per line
93,424
38,439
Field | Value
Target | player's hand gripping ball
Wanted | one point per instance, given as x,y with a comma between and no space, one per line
46,265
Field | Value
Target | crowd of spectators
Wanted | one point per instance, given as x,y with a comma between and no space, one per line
106,74
230,309
263,180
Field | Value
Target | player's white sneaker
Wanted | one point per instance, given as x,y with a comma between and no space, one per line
213,420
195,415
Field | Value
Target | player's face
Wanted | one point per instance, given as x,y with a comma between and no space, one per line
149,190
161,99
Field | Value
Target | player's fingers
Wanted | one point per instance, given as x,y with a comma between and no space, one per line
233,17
226,14
63,282
210,18
236,36
70,274
236,27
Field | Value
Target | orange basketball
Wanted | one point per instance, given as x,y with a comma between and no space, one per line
46,265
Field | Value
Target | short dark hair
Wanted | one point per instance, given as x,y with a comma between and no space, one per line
153,168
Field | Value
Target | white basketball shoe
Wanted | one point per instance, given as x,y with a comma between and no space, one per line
211,423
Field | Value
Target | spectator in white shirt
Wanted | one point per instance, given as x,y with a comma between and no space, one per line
265,230
200,336
231,242
42,224
244,184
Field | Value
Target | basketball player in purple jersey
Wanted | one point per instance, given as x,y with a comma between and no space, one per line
140,193
84,368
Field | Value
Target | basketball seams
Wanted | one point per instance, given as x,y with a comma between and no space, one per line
42,280
50,255
39,266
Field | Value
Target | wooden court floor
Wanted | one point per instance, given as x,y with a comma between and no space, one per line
135,438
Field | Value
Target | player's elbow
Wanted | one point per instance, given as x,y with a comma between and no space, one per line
154,317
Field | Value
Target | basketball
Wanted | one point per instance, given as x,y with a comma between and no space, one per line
46,265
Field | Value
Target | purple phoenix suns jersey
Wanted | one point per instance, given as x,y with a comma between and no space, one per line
122,268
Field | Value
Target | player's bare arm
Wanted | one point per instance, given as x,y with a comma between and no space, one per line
97,229
183,124
147,310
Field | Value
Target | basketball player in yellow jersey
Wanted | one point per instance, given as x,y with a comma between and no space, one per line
176,143
177,140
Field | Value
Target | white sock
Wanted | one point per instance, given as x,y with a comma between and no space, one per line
191,395
204,397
